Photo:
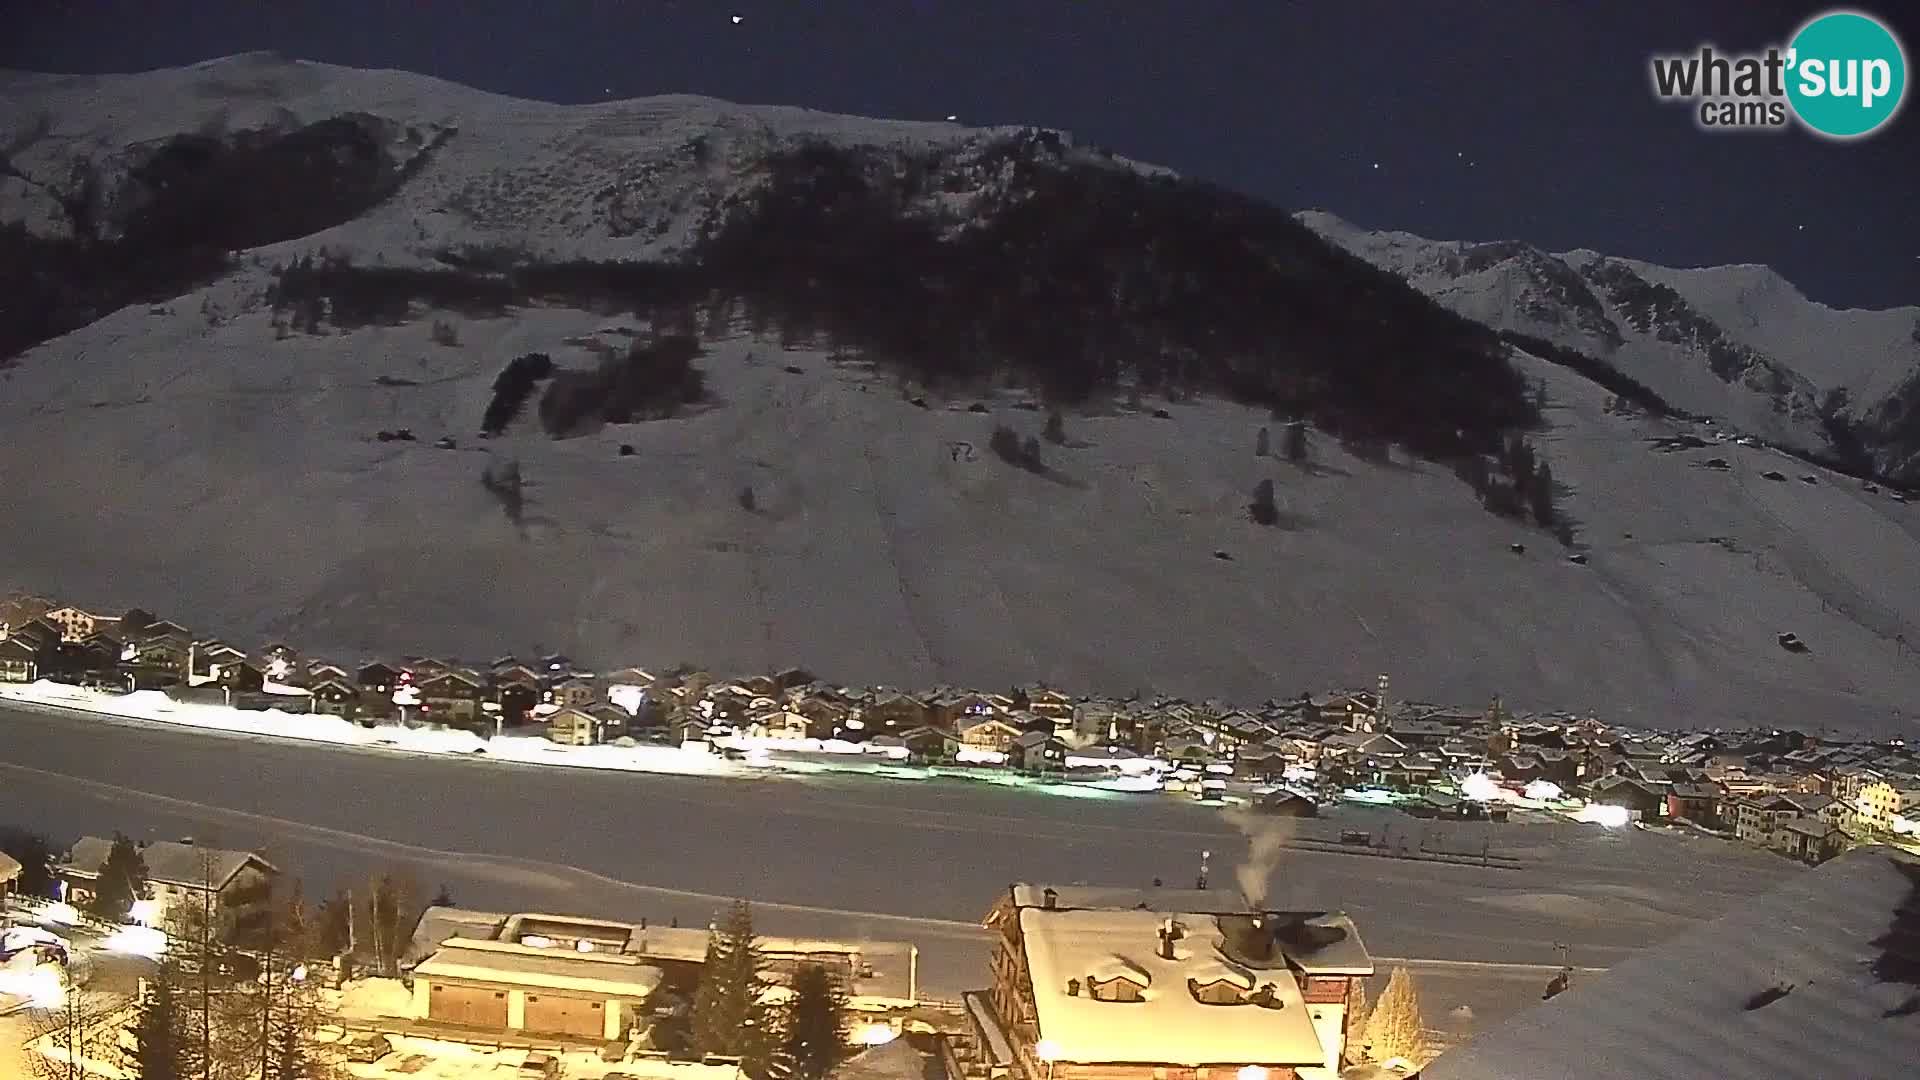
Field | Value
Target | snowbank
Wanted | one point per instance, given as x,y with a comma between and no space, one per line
153,706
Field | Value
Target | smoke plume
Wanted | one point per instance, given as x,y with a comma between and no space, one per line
1266,839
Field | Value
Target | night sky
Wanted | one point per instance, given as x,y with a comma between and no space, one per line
1475,120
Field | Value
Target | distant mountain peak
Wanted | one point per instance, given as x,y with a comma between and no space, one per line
1739,342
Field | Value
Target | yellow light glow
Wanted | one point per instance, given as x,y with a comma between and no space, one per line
1047,1050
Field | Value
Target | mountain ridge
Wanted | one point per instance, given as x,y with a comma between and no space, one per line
1739,342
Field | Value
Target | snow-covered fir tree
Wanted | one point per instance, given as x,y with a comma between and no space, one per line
1395,1028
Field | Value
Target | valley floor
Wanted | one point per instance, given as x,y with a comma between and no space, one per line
850,858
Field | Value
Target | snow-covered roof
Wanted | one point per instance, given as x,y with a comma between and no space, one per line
183,864
523,965
9,867
1101,898
1168,1025
1845,937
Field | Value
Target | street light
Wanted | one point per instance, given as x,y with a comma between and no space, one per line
1252,1072
1048,1051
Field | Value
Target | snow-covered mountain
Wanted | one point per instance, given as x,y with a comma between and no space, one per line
1740,343
212,452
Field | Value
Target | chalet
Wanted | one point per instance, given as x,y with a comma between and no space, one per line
335,696
239,882
988,733
573,692
1285,803
826,713
1355,744
1644,799
892,711
783,724
204,656
164,628
1410,772
320,670
1420,732
1038,751
377,678
1260,762
1048,702
1809,840
451,697
515,700
168,652
1698,802
572,726
19,661
1114,984
615,722
238,675
423,668
949,709
38,633
927,743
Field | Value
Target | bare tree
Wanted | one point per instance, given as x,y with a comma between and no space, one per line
62,1037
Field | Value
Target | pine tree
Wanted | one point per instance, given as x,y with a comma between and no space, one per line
122,880
1263,443
728,1016
332,925
162,1048
1030,454
813,1034
1354,1025
1056,429
1297,441
1540,496
1395,1029
1262,509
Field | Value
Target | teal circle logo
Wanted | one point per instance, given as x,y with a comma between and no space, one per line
1847,74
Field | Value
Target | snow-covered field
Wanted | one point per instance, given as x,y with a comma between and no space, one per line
183,459
233,482
848,858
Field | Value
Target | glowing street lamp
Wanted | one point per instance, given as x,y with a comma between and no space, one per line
1048,1051
1252,1072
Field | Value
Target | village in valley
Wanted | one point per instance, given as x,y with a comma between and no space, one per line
1804,796
126,958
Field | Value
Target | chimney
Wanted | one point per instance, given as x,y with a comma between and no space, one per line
1049,899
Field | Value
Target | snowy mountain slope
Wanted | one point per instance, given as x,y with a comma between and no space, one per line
1736,342
248,496
618,179
192,456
